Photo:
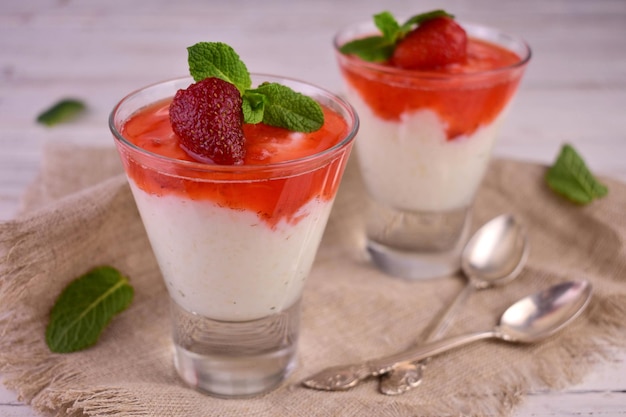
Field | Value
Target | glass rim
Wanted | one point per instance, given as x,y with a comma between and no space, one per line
433,75
346,111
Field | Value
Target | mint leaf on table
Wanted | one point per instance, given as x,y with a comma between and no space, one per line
219,60
85,308
379,48
287,108
62,111
271,103
570,177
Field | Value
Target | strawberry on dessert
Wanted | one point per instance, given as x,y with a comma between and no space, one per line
435,43
207,118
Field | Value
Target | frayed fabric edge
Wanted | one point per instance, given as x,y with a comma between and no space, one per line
104,402
40,378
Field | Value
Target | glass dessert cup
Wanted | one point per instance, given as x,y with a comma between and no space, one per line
234,244
424,145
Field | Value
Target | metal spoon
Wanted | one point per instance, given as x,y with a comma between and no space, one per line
494,255
530,319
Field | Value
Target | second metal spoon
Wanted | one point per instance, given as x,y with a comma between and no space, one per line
529,320
494,255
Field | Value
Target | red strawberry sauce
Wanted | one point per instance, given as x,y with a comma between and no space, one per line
464,95
258,190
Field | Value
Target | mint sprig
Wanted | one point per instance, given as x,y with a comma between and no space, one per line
570,177
85,308
271,103
379,48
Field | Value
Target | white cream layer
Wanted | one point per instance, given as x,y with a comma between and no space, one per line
228,264
410,165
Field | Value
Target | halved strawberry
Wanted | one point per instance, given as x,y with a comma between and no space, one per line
208,119
434,43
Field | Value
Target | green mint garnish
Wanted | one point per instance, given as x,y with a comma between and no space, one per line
285,107
62,111
570,177
270,103
388,26
85,308
216,59
379,48
253,107
371,49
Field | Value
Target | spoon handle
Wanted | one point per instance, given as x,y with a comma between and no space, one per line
386,364
343,377
408,375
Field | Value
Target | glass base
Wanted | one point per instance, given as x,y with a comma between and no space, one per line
425,265
235,359
417,245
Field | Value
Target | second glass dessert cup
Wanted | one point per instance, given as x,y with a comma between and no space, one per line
234,243
425,143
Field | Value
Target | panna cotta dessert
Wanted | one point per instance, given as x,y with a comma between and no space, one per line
427,132
235,246
234,176
431,94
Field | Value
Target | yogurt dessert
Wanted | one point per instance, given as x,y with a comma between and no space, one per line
236,244
431,99
234,200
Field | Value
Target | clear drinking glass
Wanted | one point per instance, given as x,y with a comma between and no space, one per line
234,245
424,145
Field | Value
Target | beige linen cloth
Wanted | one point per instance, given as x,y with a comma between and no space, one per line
81,214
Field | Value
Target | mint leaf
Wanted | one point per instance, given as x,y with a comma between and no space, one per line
388,26
216,59
62,111
379,48
253,107
570,177
85,307
371,49
376,48
289,109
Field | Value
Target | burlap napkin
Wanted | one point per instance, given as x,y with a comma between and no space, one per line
81,214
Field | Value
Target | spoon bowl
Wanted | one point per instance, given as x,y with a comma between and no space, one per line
496,253
538,316
530,319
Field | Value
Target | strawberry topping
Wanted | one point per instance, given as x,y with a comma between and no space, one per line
434,43
208,119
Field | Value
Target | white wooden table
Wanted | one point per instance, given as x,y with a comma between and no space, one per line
574,90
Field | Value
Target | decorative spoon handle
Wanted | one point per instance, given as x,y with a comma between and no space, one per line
344,377
408,375
418,353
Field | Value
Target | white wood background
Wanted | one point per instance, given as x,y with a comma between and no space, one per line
574,90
